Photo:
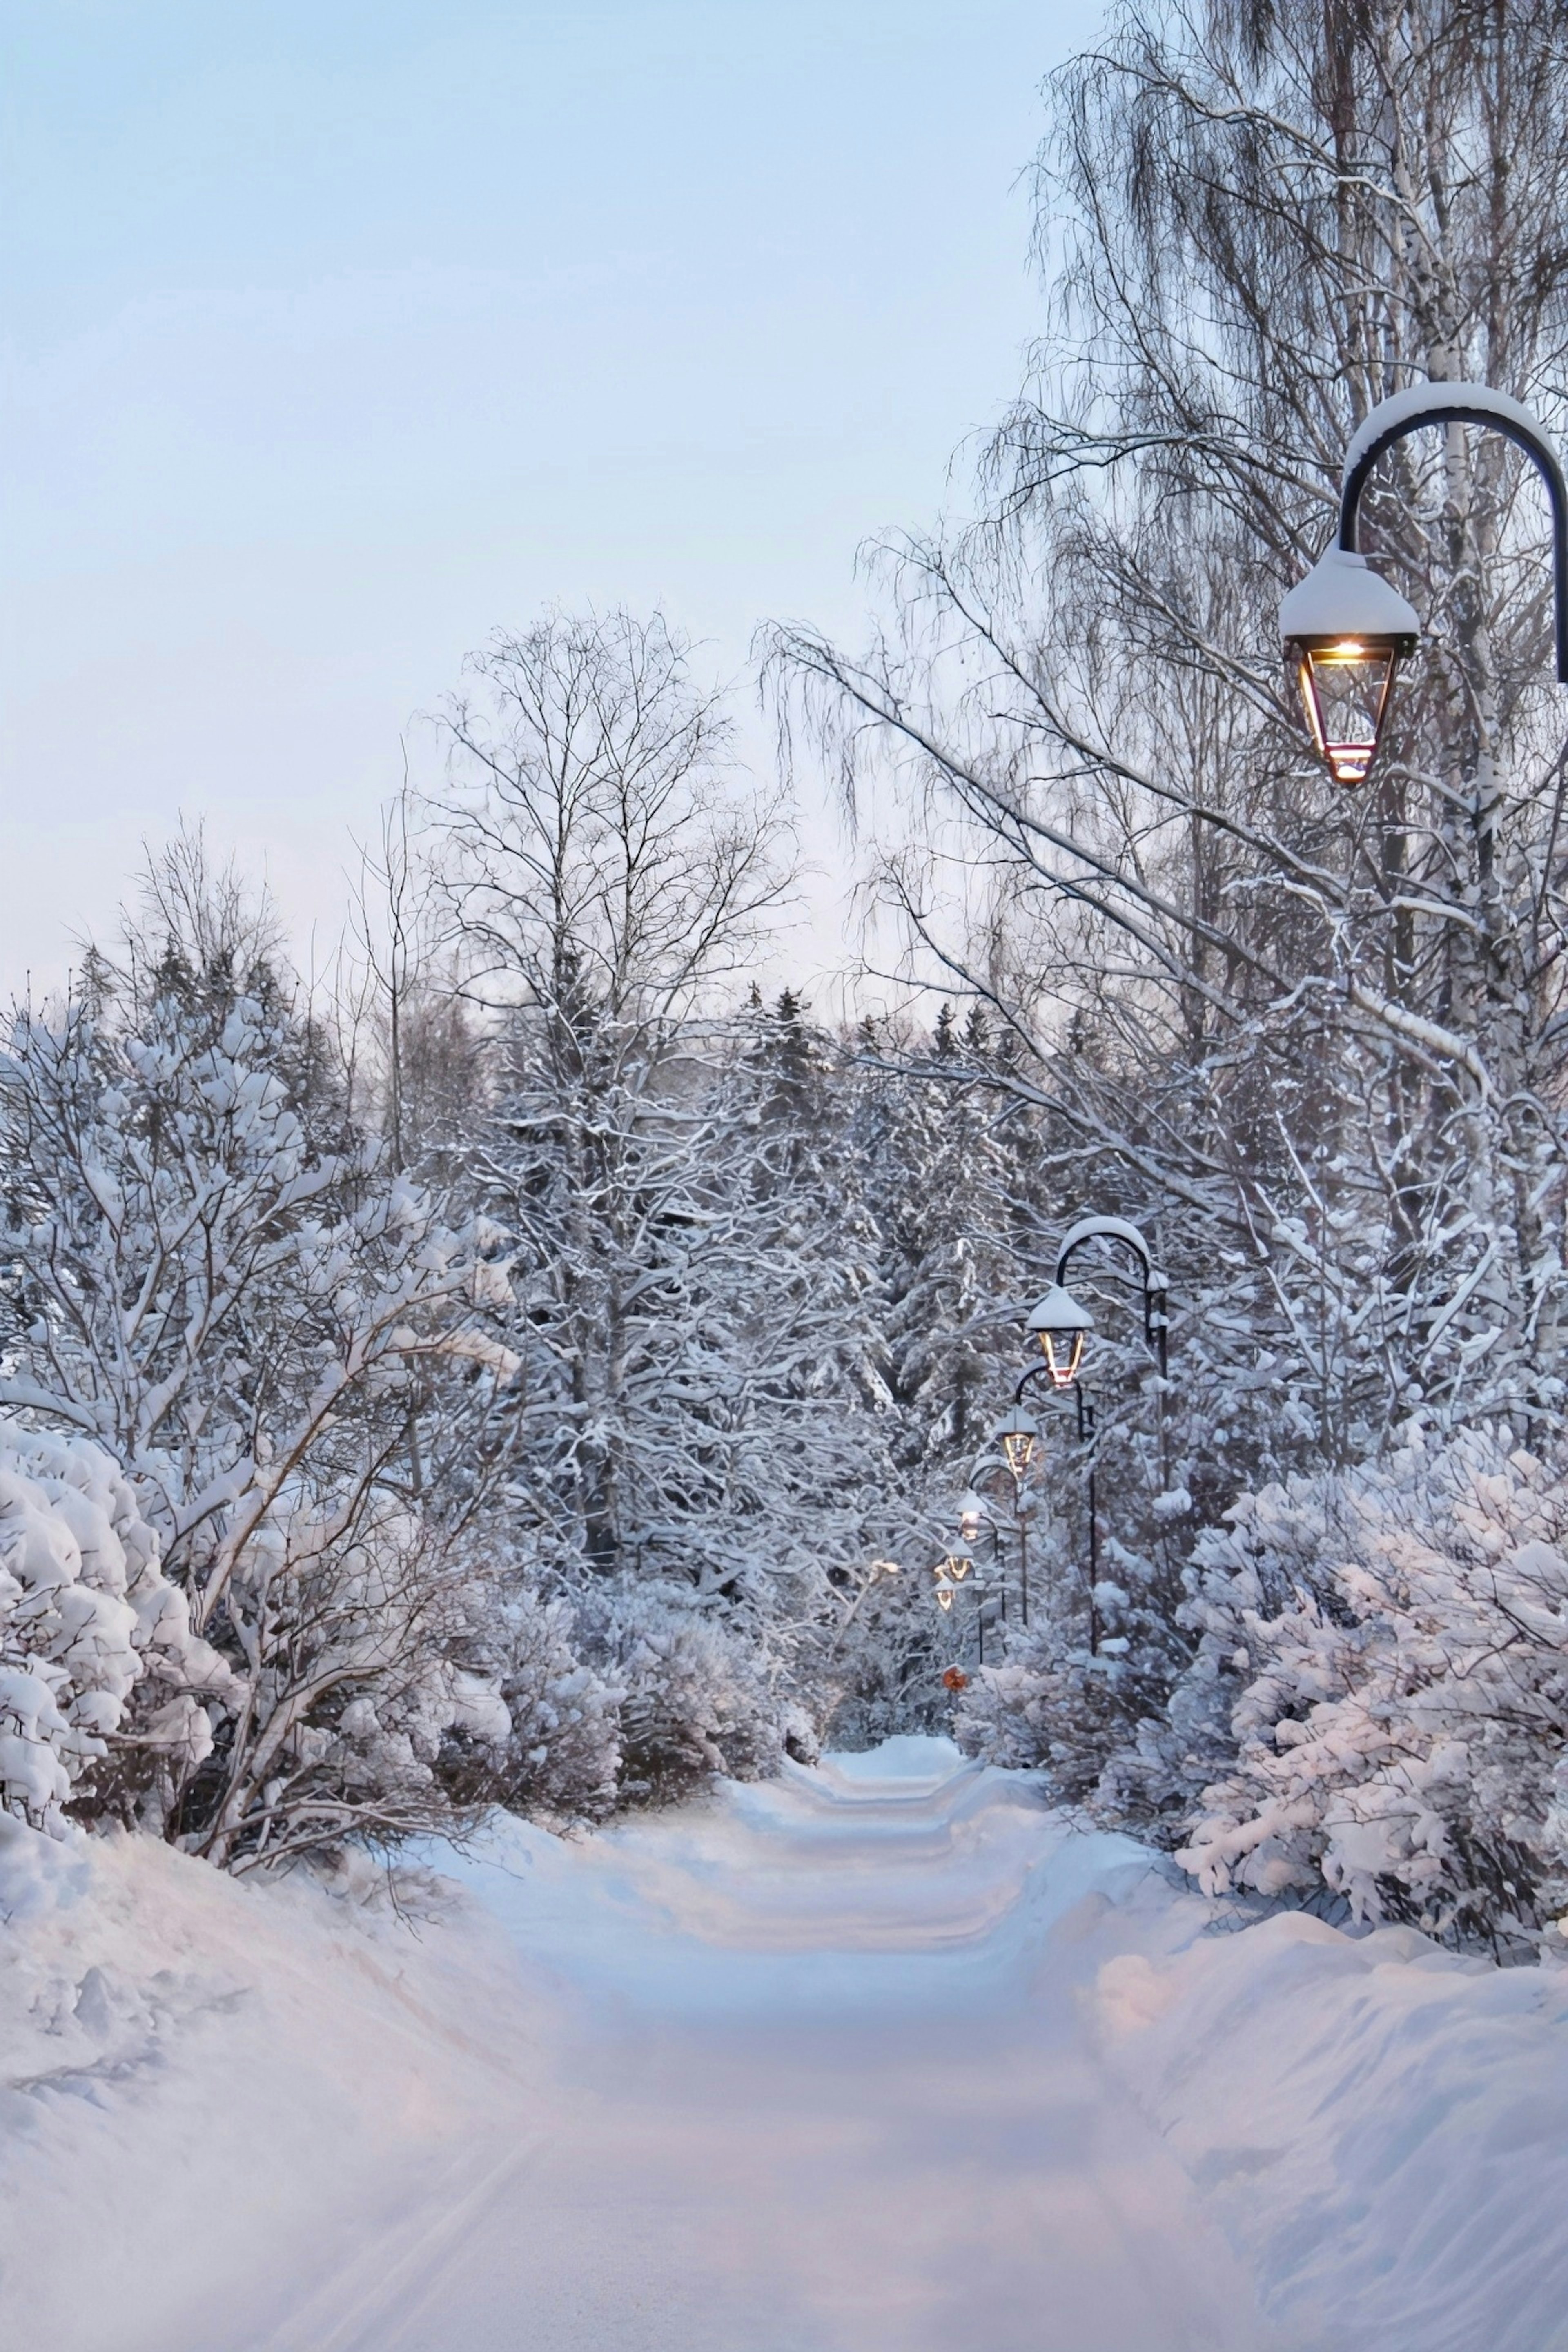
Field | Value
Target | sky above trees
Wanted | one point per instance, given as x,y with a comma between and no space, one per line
339,337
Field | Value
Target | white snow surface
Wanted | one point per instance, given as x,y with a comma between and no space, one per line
883,2056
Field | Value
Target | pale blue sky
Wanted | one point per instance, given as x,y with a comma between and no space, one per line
338,335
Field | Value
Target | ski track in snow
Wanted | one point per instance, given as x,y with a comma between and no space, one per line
883,2056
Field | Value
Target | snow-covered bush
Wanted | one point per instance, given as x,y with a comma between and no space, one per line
101,1679
1391,1650
563,1754
1053,1704
698,1698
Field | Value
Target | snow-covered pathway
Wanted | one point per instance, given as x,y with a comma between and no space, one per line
821,2084
874,2058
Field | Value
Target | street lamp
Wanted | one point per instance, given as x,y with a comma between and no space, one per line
1018,1434
1062,1324
970,1517
1345,630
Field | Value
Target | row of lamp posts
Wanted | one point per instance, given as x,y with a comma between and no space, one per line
1062,1324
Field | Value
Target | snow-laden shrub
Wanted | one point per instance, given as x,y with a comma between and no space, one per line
1052,1703
101,1679
1391,1651
384,1678
284,1339
563,1754
698,1696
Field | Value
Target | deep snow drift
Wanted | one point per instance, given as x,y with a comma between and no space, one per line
875,2058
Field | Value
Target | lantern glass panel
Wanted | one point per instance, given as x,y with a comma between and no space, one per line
1020,1447
1064,1356
1345,690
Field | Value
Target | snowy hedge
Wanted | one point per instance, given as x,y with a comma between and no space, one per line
101,1679
1391,1652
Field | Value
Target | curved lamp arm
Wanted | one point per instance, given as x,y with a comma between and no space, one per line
1083,1403
1458,404
1157,1323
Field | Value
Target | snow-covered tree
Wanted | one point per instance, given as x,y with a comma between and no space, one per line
1315,1035
694,1410
211,1277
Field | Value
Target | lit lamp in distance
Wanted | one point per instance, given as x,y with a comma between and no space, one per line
1018,1434
1062,1324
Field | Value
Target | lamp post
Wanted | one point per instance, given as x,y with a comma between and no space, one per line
950,1574
1063,1323
1018,1434
1122,1232
1344,628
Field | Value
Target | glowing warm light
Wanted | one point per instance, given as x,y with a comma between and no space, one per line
1018,1434
956,1565
1064,1355
1345,631
944,1596
1345,690
1062,1324
1020,1447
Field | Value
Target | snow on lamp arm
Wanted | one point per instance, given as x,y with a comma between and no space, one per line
1344,629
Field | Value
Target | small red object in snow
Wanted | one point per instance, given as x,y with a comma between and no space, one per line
955,1679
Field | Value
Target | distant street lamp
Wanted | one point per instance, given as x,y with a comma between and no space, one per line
1062,1323
1018,1434
950,1574
1344,628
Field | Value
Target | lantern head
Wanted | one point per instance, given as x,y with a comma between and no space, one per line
1019,1436
944,1596
1345,630
1062,1324
970,1517
956,1565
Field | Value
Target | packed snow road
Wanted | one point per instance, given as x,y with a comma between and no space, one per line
878,2057
821,2084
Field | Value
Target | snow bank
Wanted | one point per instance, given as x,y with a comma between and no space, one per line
211,2090
1381,2129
